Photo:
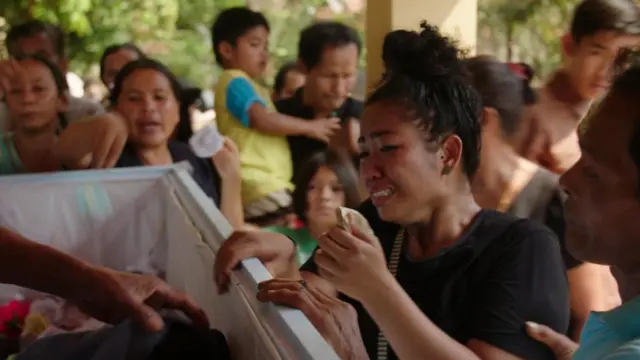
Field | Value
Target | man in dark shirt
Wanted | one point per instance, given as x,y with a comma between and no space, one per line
328,54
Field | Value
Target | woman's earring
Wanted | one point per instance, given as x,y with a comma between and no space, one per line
446,170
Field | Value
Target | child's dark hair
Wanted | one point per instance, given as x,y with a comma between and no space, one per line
425,72
232,23
281,76
593,16
189,96
114,49
500,89
340,164
315,39
58,77
144,63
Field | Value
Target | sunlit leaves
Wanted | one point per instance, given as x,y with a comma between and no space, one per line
174,31
525,30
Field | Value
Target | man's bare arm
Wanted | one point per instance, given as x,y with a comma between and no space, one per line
39,267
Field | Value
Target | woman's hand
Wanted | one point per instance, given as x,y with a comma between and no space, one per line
277,252
10,73
346,139
227,160
334,319
353,262
111,296
562,347
322,129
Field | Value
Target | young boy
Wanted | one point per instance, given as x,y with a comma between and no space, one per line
599,30
245,113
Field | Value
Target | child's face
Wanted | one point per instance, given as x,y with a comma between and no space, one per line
590,62
251,52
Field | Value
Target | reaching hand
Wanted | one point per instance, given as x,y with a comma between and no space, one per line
323,129
95,143
111,133
227,160
112,296
11,73
346,138
277,252
335,320
561,346
352,262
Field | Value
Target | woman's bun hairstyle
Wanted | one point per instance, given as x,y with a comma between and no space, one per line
424,56
425,73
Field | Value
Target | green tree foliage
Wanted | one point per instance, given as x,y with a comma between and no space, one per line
176,32
527,30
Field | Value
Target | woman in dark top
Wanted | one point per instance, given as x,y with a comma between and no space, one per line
510,183
145,100
478,275
146,94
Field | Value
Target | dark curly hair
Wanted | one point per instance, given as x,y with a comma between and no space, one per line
425,72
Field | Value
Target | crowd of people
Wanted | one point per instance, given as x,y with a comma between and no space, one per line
498,231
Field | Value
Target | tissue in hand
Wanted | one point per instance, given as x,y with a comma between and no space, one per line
206,142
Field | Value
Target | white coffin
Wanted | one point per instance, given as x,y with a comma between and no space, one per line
156,218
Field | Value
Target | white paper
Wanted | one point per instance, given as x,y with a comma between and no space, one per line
206,142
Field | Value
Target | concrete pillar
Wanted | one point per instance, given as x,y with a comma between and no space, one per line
456,18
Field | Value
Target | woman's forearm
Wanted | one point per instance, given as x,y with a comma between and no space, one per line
74,147
231,202
409,332
29,264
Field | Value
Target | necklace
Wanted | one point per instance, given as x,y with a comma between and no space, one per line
394,261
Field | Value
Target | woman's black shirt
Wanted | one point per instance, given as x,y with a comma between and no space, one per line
204,173
503,272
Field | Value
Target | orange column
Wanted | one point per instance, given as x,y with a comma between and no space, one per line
456,18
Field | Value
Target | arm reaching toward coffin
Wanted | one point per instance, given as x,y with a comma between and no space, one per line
104,294
95,143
